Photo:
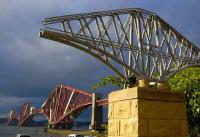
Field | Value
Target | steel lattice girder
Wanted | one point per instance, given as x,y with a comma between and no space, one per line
27,112
24,113
63,102
12,116
129,41
62,106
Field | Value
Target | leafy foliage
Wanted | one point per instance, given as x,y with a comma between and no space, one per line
188,82
113,80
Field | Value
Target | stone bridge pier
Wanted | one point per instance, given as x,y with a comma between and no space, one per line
147,112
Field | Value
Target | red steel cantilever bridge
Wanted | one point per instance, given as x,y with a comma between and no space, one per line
61,107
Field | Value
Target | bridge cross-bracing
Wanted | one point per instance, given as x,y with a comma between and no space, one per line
61,108
129,41
12,117
65,104
26,113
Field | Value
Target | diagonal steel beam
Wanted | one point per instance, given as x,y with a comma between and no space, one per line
129,41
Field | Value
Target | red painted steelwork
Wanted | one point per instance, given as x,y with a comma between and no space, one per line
24,113
61,107
102,102
27,113
65,99
12,116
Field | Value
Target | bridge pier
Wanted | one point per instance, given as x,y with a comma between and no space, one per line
146,112
97,113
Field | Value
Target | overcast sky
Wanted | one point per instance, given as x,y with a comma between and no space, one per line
30,67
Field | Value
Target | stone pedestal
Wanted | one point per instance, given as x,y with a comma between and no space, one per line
146,112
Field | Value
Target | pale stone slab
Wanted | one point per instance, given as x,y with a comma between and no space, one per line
143,127
160,95
111,110
184,127
129,93
146,93
129,127
161,110
122,109
113,128
134,108
175,128
159,128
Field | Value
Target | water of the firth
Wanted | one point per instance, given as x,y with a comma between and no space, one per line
11,131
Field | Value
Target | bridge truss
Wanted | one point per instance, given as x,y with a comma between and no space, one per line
65,104
129,41
61,108
26,114
12,117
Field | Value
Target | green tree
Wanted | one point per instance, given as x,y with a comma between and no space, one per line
113,80
188,82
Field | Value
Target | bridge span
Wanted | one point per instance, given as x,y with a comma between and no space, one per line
62,107
129,41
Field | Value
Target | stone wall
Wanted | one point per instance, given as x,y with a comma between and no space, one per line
146,112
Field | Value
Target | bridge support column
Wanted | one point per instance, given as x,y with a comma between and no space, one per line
97,113
146,112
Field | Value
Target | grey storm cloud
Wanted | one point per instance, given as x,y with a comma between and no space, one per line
31,66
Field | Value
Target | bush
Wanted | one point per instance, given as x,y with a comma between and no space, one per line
188,82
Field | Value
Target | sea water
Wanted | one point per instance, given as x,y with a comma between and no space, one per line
11,131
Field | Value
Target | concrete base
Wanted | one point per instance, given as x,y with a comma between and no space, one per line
146,112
